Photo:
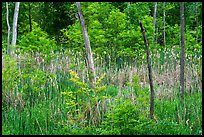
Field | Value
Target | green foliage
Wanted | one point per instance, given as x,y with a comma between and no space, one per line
10,79
33,77
73,38
126,119
102,27
5,131
10,68
81,110
137,11
173,35
81,100
98,11
192,47
36,41
4,44
167,127
142,95
37,99
177,118
97,36
111,91
23,19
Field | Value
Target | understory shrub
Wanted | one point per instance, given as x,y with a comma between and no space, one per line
125,119
37,41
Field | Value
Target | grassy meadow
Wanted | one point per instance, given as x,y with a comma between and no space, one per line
51,96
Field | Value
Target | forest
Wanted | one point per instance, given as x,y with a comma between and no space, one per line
102,68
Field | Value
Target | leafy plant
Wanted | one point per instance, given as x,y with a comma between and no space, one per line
36,41
10,79
125,119
82,101
142,95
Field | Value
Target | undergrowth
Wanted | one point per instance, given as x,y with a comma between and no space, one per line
40,98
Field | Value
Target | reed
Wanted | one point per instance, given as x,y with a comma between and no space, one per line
34,104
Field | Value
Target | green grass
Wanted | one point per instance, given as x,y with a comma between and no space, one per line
187,114
35,105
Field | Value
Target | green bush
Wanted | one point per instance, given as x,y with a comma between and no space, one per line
10,79
126,119
36,41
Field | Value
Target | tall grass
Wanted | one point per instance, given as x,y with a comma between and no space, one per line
34,104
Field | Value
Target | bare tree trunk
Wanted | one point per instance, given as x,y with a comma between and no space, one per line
164,25
157,31
128,10
196,22
7,19
201,32
150,72
182,59
15,19
91,68
30,16
154,20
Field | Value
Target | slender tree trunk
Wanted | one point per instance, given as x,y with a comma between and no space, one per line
182,59
14,33
196,22
164,25
7,19
154,20
30,16
157,31
128,10
201,32
91,68
150,72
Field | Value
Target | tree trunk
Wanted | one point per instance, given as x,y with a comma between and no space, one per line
128,10
30,16
196,22
150,72
87,46
154,20
182,59
14,33
7,19
201,33
164,25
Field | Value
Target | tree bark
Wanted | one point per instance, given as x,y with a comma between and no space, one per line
150,72
154,20
91,68
14,33
7,19
30,16
182,58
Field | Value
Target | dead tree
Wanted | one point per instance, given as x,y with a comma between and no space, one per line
150,72
29,15
182,59
154,20
91,68
14,33
7,20
164,20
